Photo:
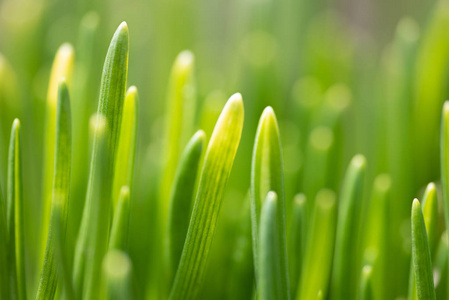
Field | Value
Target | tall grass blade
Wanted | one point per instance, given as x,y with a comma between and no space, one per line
217,166
267,175
60,194
444,160
441,267
345,270
5,282
183,192
14,215
318,258
422,263
120,222
117,271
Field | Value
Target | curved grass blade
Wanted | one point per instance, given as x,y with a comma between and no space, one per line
345,270
98,198
216,169
366,290
297,241
5,288
318,259
15,224
60,195
267,175
181,201
178,122
430,214
269,283
62,68
117,271
126,152
120,222
421,255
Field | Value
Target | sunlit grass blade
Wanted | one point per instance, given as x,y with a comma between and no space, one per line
126,152
267,175
422,263
14,214
60,194
297,241
430,214
178,122
183,192
120,222
316,271
345,272
117,272
62,68
270,285
217,166
98,199
5,288
366,289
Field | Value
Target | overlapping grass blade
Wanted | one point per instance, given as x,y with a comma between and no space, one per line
267,175
96,214
366,290
182,194
345,270
126,152
60,192
215,173
62,68
120,222
422,263
117,271
14,215
316,271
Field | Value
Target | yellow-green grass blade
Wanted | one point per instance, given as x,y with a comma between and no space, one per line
267,175
124,165
366,289
217,166
345,271
316,271
117,272
297,241
183,192
60,193
14,215
120,222
105,144
178,122
444,160
62,68
422,263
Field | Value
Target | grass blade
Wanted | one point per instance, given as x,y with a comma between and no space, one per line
444,158
126,152
421,255
120,222
98,198
441,267
181,201
318,259
14,215
117,269
366,290
61,192
5,282
216,169
267,175
345,269
62,68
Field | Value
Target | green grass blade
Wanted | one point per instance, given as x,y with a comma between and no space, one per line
178,122
441,267
345,269
62,68
120,222
318,259
297,241
421,255
15,220
5,288
117,271
181,201
105,144
366,289
217,166
270,285
444,157
124,165
60,194
267,175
